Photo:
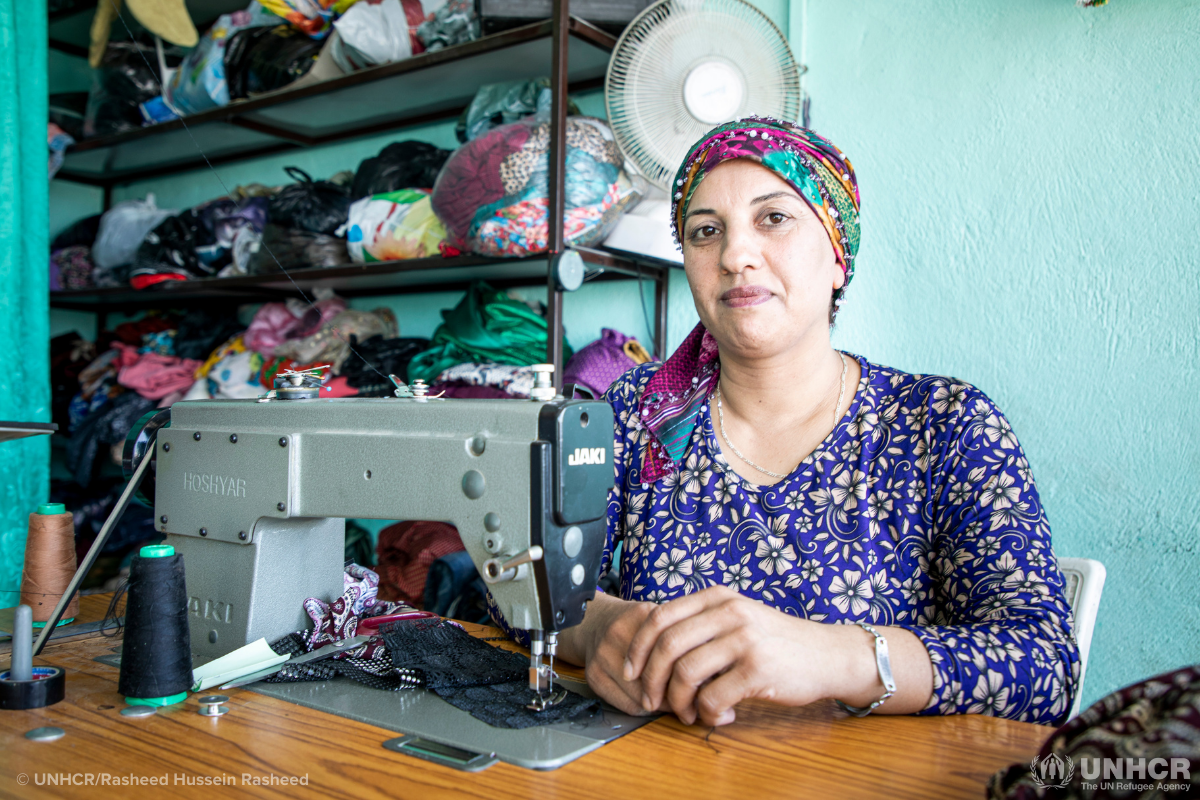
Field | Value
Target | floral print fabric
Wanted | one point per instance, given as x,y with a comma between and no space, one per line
918,511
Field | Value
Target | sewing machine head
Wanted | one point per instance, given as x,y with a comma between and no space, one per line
254,495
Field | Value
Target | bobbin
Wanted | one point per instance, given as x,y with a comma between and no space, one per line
210,705
23,685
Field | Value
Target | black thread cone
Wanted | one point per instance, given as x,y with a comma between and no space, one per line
156,658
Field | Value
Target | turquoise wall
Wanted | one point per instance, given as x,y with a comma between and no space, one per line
1030,176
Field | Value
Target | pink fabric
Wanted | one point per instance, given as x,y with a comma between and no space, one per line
269,328
316,318
151,375
275,324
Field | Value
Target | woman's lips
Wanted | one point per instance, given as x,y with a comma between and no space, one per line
745,296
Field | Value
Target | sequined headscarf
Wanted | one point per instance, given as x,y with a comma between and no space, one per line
678,392
817,170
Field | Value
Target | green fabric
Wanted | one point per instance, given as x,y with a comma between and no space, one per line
24,266
487,327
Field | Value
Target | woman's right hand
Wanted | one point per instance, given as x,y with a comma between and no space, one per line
602,643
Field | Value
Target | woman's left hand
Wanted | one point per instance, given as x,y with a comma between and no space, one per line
703,653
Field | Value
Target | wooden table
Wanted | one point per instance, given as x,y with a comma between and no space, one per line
770,751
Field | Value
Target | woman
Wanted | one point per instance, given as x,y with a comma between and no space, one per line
769,485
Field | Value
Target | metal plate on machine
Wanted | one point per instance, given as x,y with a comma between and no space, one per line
422,713
585,468
221,486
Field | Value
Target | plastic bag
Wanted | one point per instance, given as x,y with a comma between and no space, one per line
317,206
198,242
199,83
122,229
400,165
457,22
492,193
393,226
262,59
313,17
375,33
501,103
296,249
126,78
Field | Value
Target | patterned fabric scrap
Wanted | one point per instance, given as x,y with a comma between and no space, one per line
1152,727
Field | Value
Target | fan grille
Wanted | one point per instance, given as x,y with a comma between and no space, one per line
644,88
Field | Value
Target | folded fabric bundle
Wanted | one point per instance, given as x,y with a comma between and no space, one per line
466,391
271,326
597,365
107,426
380,358
199,331
234,377
152,375
512,381
71,268
454,589
405,552
487,326
331,344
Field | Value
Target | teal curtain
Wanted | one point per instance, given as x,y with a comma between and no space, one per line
24,279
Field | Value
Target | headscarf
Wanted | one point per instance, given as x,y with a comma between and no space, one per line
811,165
678,392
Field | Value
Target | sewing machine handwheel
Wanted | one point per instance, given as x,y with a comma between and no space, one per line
137,443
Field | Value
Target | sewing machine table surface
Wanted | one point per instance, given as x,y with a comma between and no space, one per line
816,751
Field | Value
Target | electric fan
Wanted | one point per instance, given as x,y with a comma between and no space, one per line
681,68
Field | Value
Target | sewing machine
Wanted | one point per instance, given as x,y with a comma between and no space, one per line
254,494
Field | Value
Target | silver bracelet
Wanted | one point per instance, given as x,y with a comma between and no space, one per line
884,664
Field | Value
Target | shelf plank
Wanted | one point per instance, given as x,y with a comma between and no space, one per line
413,275
427,86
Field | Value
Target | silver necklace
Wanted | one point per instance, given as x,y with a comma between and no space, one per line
738,453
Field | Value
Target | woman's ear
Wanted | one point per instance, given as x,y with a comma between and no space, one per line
839,277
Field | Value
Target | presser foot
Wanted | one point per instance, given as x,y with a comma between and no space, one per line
541,702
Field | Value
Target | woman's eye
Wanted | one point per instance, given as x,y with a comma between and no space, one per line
704,232
776,218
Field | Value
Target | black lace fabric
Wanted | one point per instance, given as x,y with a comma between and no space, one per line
370,667
487,682
446,656
503,705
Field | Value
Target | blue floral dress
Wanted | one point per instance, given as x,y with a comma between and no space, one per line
918,511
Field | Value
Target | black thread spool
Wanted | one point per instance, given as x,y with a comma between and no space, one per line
156,657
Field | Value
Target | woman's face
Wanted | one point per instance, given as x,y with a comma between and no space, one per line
758,261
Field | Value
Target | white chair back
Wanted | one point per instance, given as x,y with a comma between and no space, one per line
1084,583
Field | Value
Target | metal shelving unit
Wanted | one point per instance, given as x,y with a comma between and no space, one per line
426,87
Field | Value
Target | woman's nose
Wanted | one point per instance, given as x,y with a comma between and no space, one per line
740,250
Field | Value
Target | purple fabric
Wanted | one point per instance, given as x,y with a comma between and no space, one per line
467,391
471,178
597,365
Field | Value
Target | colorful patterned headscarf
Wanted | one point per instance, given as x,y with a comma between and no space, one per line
678,392
817,170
